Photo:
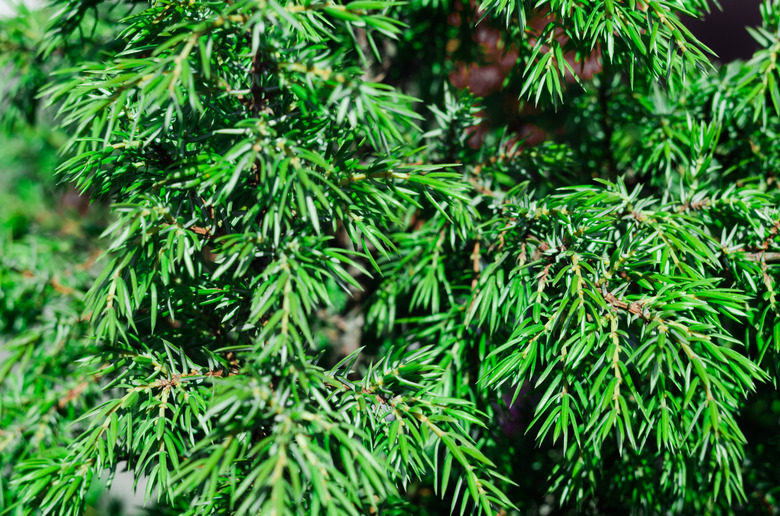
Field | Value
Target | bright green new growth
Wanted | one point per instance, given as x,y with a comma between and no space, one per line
269,181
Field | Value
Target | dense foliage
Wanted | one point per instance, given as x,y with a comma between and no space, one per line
381,257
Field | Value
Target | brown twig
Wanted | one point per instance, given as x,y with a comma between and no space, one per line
76,391
763,257
636,308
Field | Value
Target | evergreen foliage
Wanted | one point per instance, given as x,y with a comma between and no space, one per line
334,280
